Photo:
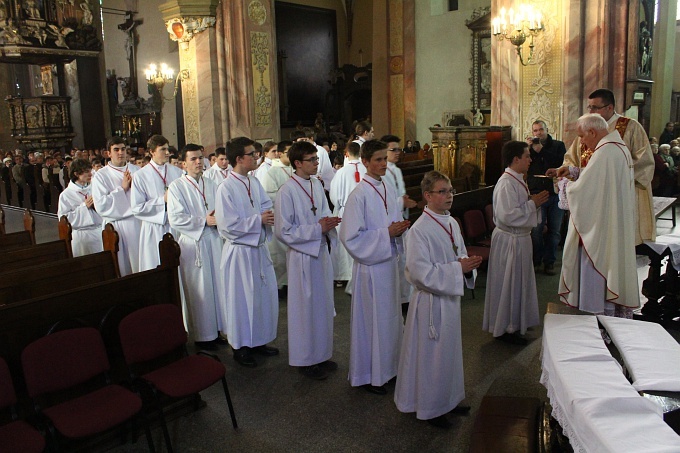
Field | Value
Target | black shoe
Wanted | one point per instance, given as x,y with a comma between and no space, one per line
549,269
244,357
328,365
265,350
222,341
375,389
513,338
461,409
206,345
314,372
440,422
283,293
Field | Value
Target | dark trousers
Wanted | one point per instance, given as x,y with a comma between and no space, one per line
545,247
47,196
32,195
8,191
20,194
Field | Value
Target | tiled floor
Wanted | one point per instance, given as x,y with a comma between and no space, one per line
280,410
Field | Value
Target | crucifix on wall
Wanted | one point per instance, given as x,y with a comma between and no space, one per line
128,27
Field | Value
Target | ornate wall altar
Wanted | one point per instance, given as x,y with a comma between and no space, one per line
42,122
469,151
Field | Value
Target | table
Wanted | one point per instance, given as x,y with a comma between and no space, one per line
661,204
598,409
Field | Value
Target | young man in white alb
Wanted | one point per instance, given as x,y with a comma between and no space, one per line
395,178
149,200
77,205
219,171
272,181
112,199
191,212
245,219
371,232
305,224
344,182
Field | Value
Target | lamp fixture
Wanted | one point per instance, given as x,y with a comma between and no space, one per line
159,75
516,26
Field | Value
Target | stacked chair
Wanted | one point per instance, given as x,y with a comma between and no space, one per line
66,376
17,435
156,333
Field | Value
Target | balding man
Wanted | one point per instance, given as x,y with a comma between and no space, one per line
602,102
598,266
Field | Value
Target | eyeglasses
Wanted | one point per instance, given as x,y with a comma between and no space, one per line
396,150
444,191
596,107
253,154
311,159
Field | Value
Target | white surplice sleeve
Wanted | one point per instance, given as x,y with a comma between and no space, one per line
232,221
183,214
512,207
302,238
144,205
364,245
72,205
111,202
425,273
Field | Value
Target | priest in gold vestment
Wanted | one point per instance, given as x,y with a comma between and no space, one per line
634,136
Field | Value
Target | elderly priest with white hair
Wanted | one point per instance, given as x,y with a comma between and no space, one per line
598,266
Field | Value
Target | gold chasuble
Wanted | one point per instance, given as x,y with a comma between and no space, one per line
635,138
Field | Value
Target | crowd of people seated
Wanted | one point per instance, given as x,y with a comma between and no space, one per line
666,163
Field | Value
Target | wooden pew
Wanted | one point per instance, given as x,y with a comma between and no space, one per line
91,305
62,275
17,258
21,238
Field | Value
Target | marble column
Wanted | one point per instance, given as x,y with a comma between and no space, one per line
229,79
200,91
664,52
249,84
394,68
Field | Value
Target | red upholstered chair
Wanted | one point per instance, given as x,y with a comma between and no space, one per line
475,228
157,331
488,217
68,361
16,435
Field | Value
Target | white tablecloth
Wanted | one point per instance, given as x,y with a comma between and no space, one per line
594,403
667,241
650,354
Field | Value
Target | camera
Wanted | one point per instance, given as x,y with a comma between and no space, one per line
535,140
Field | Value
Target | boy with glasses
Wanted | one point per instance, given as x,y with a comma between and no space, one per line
304,224
395,178
244,218
430,379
